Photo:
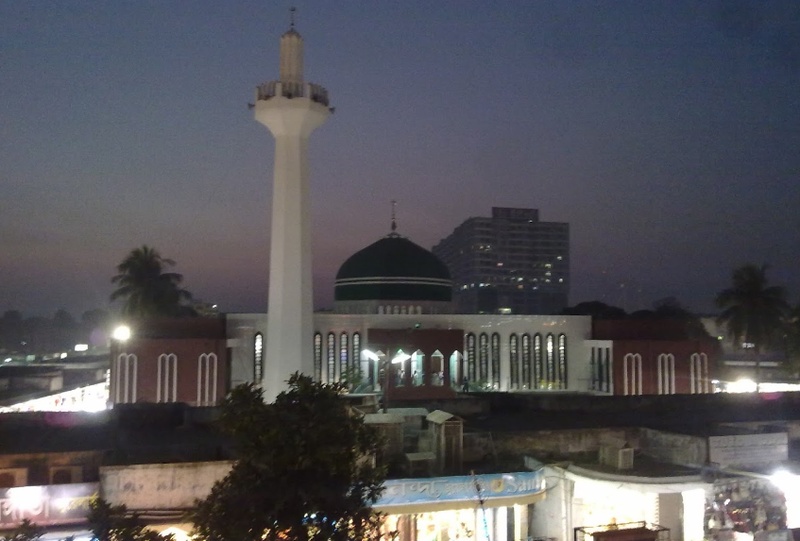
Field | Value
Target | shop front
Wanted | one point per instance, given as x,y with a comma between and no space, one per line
463,508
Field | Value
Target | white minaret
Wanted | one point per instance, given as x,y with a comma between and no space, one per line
291,109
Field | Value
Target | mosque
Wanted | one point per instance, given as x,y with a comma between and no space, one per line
393,329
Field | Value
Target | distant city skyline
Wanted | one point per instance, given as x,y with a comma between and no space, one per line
665,133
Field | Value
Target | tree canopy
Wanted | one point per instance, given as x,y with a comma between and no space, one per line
304,470
146,288
114,523
753,311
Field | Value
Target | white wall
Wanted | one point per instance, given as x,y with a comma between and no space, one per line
160,486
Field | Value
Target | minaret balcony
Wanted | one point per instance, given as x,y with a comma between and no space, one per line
271,89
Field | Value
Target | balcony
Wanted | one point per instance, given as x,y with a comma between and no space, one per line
271,89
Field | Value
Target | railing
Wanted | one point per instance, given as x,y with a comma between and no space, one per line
271,89
628,531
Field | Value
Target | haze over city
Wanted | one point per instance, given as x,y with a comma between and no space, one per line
665,133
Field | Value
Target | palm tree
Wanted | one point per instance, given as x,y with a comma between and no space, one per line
753,312
146,289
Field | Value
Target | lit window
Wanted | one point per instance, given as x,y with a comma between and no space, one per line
258,357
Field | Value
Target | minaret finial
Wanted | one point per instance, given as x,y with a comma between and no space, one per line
291,17
394,220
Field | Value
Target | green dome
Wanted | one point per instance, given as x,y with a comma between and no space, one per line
393,268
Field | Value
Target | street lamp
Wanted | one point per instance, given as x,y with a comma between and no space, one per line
122,333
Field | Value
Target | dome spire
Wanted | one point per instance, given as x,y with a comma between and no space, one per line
291,17
394,219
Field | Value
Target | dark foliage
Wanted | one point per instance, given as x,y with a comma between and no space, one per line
114,523
303,472
147,289
26,531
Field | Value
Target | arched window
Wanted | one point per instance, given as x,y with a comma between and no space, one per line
562,361
471,354
258,358
125,379
632,374
318,356
167,378
344,358
551,361
496,361
483,358
513,355
357,353
331,351
538,362
526,362
207,377
61,477
666,373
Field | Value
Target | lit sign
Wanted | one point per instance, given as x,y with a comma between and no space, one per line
46,505
460,488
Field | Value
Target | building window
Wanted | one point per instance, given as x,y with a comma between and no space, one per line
471,354
526,362
125,378
666,373
207,371
601,370
496,361
483,359
698,373
344,358
357,354
562,361
538,362
632,374
331,351
258,358
551,361
167,378
318,356
513,355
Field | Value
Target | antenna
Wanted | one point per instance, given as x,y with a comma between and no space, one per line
394,220
291,17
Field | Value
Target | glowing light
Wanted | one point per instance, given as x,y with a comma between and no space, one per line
742,386
63,355
369,355
81,347
25,498
121,333
787,483
401,357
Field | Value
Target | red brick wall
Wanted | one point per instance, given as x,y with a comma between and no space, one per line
650,351
187,352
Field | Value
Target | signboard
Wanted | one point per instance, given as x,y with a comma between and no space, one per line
461,488
748,449
48,505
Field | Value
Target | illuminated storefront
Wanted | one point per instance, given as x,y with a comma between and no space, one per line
479,507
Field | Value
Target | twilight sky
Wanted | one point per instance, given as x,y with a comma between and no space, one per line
667,133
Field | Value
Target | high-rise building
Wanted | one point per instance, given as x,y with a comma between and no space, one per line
511,263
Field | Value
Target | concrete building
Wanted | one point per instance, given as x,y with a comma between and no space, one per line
510,263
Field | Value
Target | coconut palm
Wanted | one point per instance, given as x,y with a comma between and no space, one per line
145,287
753,311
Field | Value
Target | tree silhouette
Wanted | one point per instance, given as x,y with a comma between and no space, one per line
146,289
753,312
303,470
